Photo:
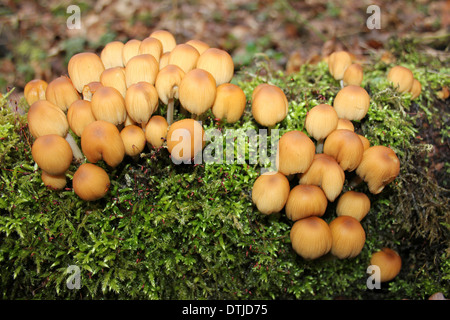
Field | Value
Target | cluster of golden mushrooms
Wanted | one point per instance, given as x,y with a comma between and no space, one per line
109,102
320,168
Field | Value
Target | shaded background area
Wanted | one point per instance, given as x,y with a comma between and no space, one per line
36,43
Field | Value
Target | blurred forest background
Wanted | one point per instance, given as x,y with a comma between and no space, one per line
36,43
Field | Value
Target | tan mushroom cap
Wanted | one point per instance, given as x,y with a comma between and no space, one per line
296,152
61,92
348,236
90,182
197,91
115,78
130,50
365,142
79,116
111,54
168,82
108,104
353,75
156,131
101,140
326,173
354,204
346,147
184,56
57,182
311,238
269,105
143,67
185,139
217,62
46,118
352,103
345,124
167,39
305,201
164,60
379,167
401,78
52,153
270,192
84,67
389,262
229,103
141,101
89,90
151,46
133,138
338,62
320,121
200,45
35,90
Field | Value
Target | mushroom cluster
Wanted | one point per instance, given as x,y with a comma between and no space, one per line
323,158
110,103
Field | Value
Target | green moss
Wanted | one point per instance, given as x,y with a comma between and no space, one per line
168,231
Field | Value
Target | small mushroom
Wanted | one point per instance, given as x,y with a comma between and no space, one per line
389,262
346,147
167,85
156,131
305,201
311,237
130,50
141,68
185,139
35,90
379,167
269,105
326,173
270,192
401,78
352,103
167,39
345,124
353,75
61,92
296,152
338,62
79,115
354,204
111,54
133,138
52,153
90,182
416,89
320,121
89,90
184,56
108,104
200,45
101,140
348,236
84,67
54,182
141,101
151,46
217,62
115,78
229,103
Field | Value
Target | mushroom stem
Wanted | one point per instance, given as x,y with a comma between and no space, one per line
77,154
170,106
341,82
319,146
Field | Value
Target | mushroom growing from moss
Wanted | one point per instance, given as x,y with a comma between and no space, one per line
353,75
379,167
217,62
115,78
84,67
338,62
141,101
348,236
90,182
326,173
305,201
167,85
352,103
54,182
416,89
311,237
346,147
229,103
108,104
197,91
61,93
354,204
79,116
320,121
101,140
184,56
185,139
133,138
143,67
52,153
35,90
269,105
401,78
156,131
270,192
296,152
389,262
